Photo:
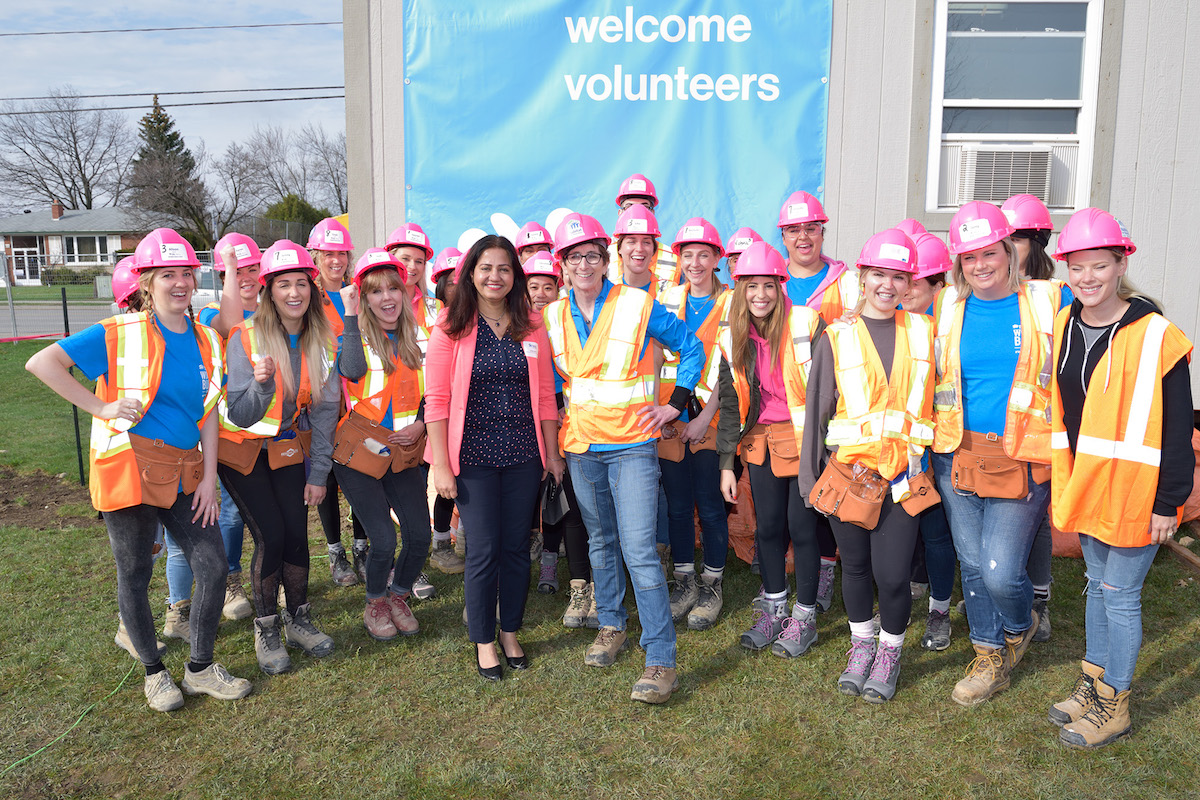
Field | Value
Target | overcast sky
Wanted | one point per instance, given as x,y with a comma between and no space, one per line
180,60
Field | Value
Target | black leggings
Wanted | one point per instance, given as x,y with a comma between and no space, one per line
443,510
880,558
272,504
783,517
403,493
571,528
330,514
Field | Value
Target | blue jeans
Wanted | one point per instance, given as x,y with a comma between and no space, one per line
179,573
1114,606
992,537
695,482
662,523
233,529
939,552
618,499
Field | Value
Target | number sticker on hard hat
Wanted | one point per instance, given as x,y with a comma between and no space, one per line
974,229
334,237
636,185
286,258
172,251
416,237
240,251
376,256
894,251
451,262
691,232
635,226
797,210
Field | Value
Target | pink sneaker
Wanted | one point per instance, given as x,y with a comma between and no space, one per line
402,616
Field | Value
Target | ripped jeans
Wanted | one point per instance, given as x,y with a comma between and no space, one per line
1114,606
992,537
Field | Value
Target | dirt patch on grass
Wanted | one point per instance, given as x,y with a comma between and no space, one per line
42,502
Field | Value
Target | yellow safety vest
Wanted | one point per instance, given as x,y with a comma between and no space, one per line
674,299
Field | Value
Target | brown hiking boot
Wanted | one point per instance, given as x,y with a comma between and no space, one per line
1083,694
656,685
708,604
577,607
377,617
1017,644
986,675
603,652
1104,721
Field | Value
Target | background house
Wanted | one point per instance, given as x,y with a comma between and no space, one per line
57,237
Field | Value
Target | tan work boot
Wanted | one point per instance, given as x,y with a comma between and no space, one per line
1104,721
177,624
1082,696
237,605
684,595
603,652
301,632
656,685
592,620
268,645
708,604
577,606
123,641
444,559
986,674
1018,644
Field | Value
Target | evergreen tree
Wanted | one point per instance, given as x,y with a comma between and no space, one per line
160,138
164,182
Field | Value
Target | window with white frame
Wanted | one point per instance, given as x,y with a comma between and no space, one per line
1014,102
85,249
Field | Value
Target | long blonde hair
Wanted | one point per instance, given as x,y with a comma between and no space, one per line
316,336
404,346
1014,271
771,328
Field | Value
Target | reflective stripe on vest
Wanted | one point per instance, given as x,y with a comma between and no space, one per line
674,299
372,395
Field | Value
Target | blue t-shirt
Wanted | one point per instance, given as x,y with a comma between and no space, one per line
991,342
175,411
800,289
697,310
207,315
336,299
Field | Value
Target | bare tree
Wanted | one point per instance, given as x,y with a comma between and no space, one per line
58,149
281,164
327,160
237,191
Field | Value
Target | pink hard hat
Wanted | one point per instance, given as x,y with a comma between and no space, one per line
410,234
124,281
577,228
164,247
1026,212
760,259
889,249
801,207
1091,229
377,258
245,250
286,256
741,239
637,185
543,264
698,230
637,221
912,228
532,233
976,225
329,234
446,260
933,258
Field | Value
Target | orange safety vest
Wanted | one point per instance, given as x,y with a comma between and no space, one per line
674,299
135,359
1027,421
1106,490
372,395
883,422
795,359
272,420
837,293
331,313
606,381
426,310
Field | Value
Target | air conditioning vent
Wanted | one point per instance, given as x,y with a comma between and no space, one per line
996,173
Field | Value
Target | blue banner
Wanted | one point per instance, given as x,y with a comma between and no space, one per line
521,110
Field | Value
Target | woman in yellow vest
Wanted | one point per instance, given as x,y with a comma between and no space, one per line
765,354
281,386
868,422
992,440
691,476
1122,424
158,377
384,382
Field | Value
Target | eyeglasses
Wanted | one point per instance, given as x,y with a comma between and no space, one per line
811,229
575,259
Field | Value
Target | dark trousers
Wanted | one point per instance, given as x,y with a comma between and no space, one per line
782,517
881,559
404,493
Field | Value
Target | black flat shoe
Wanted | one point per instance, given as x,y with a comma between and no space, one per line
488,673
517,662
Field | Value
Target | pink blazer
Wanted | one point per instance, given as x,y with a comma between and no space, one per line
448,366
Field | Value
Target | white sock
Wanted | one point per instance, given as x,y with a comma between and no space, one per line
441,536
862,630
685,569
891,639
940,606
335,549
828,562
713,573
803,612
776,603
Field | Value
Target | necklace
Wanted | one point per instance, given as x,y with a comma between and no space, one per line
496,322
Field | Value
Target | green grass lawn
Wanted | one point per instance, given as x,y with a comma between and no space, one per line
75,291
410,718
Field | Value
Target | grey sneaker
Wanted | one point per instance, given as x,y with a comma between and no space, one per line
268,646
548,576
303,634
422,589
603,652
885,671
161,692
577,606
360,555
861,657
444,559
798,635
340,570
824,587
1043,626
214,681
937,631
123,641
708,604
684,595
765,628
177,624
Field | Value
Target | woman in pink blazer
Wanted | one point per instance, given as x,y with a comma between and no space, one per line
492,421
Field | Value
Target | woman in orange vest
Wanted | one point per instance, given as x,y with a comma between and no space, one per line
331,249
692,483
381,364
765,355
992,439
867,423
158,377
281,386
1122,421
